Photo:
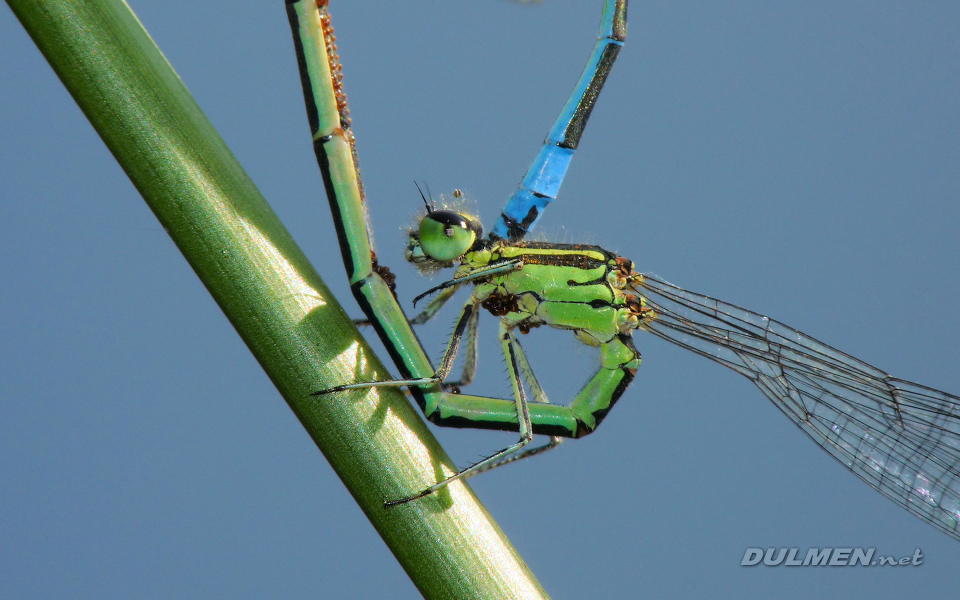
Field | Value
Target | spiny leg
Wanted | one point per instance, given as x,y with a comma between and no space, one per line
462,323
471,343
469,309
470,336
538,396
424,315
470,363
431,309
523,417
541,183
474,274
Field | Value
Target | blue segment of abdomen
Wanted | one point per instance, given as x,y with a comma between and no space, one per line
542,181
538,188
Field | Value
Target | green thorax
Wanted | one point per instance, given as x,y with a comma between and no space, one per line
568,286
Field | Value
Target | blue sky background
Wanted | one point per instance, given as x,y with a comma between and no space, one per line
800,159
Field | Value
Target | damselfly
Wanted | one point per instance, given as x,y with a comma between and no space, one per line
901,438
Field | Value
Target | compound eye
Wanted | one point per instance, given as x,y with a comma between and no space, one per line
445,235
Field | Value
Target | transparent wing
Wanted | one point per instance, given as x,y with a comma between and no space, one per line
900,437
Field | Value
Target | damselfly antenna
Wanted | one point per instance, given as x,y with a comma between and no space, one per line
430,208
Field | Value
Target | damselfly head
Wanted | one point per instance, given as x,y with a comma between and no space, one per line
443,235
441,238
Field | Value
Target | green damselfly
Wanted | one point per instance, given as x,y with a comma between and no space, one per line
901,438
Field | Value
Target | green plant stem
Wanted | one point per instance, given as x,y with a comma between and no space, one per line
374,439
